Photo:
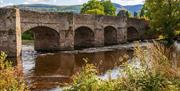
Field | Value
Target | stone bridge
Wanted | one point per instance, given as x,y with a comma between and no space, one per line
136,29
63,31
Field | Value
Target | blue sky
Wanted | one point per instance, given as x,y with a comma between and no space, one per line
63,2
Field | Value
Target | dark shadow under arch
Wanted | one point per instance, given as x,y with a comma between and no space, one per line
45,38
84,38
132,34
110,35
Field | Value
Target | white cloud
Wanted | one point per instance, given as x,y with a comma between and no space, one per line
3,4
129,2
54,1
26,3
1,1
65,2
79,1
37,0
7,4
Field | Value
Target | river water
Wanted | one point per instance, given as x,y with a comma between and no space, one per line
50,71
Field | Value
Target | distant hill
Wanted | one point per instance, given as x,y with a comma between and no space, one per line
134,8
49,8
117,5
72,8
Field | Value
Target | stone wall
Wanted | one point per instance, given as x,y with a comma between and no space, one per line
62,23
138,26
10,32
97,23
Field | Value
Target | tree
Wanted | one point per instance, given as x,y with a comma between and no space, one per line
124,13
135,14
109,8
104,7
92,7
164,16
95,11
142,12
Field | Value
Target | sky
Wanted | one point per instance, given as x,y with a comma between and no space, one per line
64,2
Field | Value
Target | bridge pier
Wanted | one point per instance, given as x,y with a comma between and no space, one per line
10,32
121,35
66,33
99,37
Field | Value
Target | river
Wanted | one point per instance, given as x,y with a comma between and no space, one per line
50,71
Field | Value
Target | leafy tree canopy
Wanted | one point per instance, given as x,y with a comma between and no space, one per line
94,11
97,7
142,12
109,8
164,16
135,14
92,7
124,12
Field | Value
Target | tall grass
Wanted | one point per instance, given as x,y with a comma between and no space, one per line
153,72
10,79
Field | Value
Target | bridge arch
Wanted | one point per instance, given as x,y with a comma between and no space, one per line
110,35
45,38
84,37
132,33
26,27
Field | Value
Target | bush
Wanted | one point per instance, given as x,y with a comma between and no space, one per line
149,70
94,11
27,35
9,77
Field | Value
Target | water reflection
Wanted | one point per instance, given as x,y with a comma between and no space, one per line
50,70
55,64
59,67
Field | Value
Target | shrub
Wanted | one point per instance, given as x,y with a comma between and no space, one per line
9,77
28,35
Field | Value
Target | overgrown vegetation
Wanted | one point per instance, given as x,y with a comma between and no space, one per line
10,78
164,17
149,70
27,35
